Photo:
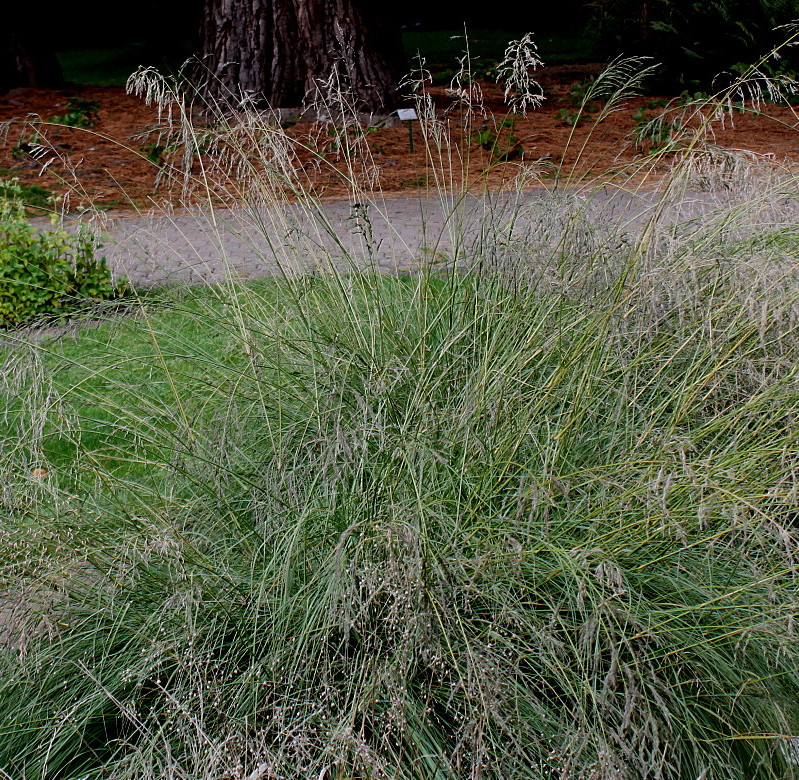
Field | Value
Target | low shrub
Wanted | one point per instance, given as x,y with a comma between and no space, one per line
80,113
47,272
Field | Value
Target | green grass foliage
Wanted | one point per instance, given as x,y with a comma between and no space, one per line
456,525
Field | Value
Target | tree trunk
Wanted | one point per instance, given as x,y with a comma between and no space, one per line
281,51
26,59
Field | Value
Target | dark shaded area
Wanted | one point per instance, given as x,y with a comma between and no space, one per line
87,24
27,58
701,46
162,34
94,49
169,31
567,16
160,25
693,41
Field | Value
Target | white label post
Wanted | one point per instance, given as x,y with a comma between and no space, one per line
408,115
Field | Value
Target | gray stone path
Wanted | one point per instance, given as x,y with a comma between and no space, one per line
393,233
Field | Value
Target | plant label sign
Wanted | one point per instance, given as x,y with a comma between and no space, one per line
408,115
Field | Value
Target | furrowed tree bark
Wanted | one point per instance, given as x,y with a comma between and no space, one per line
281,51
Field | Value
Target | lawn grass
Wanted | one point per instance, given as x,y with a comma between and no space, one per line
122,354
110,67
38,201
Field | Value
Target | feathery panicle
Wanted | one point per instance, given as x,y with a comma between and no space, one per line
521,90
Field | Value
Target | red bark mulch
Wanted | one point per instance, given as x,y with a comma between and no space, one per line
106,165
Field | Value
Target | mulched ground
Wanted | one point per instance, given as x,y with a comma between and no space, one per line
107,165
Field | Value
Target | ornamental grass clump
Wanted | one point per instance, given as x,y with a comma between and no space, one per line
530,516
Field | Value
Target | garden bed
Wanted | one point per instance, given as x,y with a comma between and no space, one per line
115,164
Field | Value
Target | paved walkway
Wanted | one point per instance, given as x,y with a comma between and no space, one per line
394,233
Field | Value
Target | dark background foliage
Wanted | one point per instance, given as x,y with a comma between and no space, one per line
693,40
